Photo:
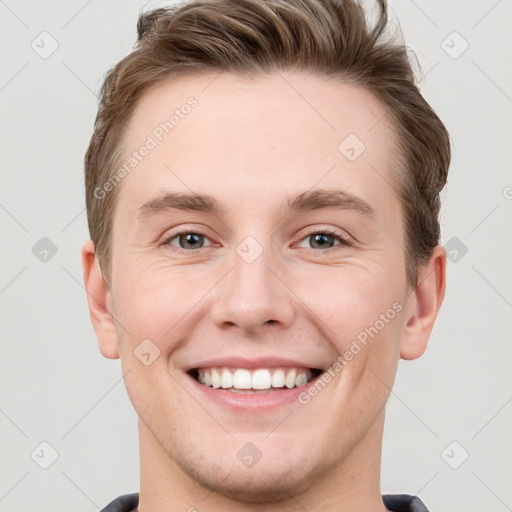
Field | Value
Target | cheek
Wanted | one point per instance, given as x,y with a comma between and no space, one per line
149,295
155,301
361,315
350,299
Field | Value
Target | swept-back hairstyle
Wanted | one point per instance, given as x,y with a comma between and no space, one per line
328,38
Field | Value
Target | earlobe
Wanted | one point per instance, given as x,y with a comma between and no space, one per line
427,300
99,301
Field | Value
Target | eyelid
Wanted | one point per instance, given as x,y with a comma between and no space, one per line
344,240
166,239
312,230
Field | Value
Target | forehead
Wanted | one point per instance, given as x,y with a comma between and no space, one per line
282,131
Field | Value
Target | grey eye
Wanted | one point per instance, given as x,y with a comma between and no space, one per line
321,240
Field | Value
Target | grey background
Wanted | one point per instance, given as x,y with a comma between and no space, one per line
55,385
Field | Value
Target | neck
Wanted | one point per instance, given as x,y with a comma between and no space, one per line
353,484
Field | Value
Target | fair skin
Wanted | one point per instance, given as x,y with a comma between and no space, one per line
252,144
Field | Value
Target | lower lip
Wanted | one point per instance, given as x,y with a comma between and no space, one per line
251,401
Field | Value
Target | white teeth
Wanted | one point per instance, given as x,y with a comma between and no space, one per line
259,379
215,378
301,379
226,379
242,379
278,379
289,381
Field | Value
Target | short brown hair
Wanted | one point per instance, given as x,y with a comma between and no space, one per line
331,38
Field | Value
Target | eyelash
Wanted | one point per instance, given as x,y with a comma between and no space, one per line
343,241
330,232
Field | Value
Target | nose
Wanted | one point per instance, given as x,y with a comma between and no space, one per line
253,295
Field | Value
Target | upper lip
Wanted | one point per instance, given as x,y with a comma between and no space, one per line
241,362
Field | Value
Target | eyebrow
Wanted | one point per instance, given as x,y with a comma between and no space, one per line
317,199
306,201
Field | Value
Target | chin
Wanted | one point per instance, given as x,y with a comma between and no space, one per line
262,485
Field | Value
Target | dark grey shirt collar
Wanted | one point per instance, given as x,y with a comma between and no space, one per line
394,502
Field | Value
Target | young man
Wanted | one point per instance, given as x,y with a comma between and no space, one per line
263,196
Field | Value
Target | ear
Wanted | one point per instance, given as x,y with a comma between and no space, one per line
99,301
427,299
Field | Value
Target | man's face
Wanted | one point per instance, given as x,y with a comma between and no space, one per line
254,286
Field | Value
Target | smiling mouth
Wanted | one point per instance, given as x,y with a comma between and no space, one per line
260,380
